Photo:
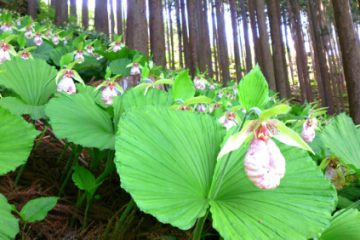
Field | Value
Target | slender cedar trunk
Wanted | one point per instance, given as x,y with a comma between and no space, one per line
112,18
201,53
193,35
301,57
73,12
136,28
186,43
32,8
215,41
223,48
172,47
287,48
350,50
119,17
320,57
281,75
254,28
85,14
267,63
101,17
53,3
167,37
61,12
233,10
246,35
157,35
178,28
205,39
241,44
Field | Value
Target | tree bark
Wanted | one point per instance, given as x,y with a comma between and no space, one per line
157,35
234,17
136,28
85,14
193,35
350,50
119,17
223,48
320,57
169,7
186,44
112,18
246,36
280,67
73,12
267,61
32,8
179,35
101,17
215,40
61,12
255,35
205,41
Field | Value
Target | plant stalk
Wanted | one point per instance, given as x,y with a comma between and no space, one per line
199,227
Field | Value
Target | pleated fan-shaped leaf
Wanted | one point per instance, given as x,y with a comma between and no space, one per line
345,224
81,120
300,208
166,160
9,224
16,141
343,139
32,82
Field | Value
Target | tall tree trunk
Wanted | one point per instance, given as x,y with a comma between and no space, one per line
287,48
186,44
61,12
136,28
85,14
233,10
350,50
119,17
215,40
205,48
320,57
157,37
169,8
267,61
254,28
73,12
32,8
101,17
193,35
281,75
223,48
178,28
301,57
112,18
246,35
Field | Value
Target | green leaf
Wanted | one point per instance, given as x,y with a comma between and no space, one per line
290,137
33,82
9,224
118,66
253,89
235,141
183,87
344,225
66,59
198,100
167,162
17,138
343,139
57,53
276,110
300,208
42,52
81,120
37,209
165,159
84,179
21,40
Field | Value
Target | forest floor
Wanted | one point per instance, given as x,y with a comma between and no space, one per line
42,177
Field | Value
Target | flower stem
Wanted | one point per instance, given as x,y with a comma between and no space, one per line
199,227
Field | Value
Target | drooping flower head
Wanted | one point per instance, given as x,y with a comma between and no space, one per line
117,46
38,41
90,49
135,69
55,39
4,52
200,83
228,120
25,55
308,131
79,56
66,84
6,27
108,93
201,108
29,32
264,164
